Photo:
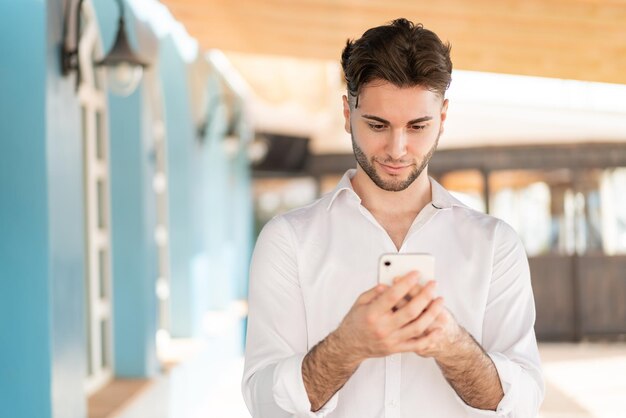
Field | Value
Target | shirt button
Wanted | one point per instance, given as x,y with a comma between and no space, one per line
393,404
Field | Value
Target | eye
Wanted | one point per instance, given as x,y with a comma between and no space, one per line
377,127
418,127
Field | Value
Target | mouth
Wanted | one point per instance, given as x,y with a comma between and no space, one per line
393,169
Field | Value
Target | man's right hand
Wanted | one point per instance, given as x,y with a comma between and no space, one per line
382,322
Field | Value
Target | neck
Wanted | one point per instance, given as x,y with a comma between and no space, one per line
376,200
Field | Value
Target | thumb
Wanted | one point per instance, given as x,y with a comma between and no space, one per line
369,295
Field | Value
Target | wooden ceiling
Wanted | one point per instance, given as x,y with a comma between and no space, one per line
571,39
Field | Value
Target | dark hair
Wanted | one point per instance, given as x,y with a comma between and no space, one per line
401,53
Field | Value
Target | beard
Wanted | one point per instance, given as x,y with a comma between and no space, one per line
395,185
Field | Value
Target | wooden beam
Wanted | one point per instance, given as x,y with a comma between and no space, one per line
575,39
519,157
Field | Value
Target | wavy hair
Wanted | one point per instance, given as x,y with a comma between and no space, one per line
402,53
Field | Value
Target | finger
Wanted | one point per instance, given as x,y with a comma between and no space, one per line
423,343
417,327
415,273
416,306
416,289
371,294
391,296
402,303
412,293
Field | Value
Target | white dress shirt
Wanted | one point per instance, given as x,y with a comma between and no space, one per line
310,265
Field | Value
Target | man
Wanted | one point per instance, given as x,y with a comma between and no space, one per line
324,339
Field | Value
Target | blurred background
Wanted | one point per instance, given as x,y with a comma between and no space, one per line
143,145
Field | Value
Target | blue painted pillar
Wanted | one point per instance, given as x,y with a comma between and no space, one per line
181,148
219,191
241,224
242,209
25,371
42,366
133,224
244,223
66,229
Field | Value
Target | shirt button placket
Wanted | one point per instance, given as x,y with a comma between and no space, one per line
393,369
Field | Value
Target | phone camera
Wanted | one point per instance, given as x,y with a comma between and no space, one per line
387,263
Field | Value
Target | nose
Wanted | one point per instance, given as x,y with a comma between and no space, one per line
397,145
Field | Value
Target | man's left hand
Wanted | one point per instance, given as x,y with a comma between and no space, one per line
435,330
440,338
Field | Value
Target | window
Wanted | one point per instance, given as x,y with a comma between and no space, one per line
564,212
540,205
612,213
93,102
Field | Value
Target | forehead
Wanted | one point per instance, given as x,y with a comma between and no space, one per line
388,101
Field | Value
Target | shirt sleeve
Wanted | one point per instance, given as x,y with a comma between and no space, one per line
276,341
508,330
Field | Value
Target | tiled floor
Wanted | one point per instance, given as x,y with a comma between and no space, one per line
582,381
227,402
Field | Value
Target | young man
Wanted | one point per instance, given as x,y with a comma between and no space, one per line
324,339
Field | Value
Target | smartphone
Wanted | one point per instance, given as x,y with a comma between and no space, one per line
393,265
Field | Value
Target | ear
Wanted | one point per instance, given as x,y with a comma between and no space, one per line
444,114
346,114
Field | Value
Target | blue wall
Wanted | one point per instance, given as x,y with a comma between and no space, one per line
24,257
42,232
41,228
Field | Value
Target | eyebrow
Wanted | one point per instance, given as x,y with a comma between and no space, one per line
411,122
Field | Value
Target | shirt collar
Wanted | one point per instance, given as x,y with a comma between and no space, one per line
441,198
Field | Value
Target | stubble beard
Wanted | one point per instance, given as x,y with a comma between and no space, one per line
368,166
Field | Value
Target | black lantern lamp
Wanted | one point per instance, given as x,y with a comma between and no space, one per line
124,69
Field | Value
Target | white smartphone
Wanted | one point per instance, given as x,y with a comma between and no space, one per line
393,265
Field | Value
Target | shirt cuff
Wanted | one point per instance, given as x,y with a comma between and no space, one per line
508,372
290,393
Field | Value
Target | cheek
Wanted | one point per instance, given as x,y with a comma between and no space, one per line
422,143
369,142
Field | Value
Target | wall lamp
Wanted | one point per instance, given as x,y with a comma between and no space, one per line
123,68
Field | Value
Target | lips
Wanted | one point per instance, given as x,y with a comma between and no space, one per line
392,169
